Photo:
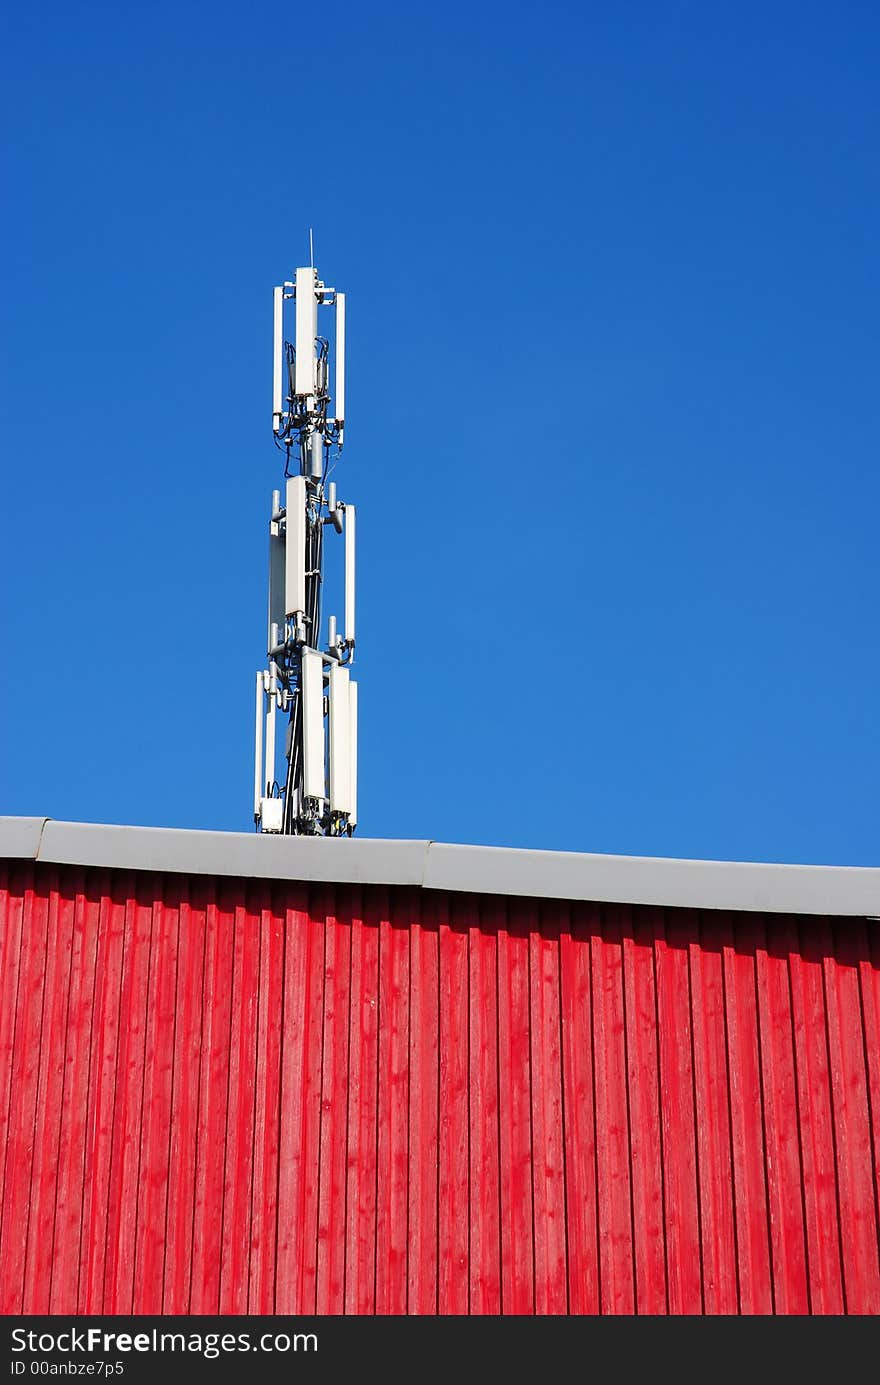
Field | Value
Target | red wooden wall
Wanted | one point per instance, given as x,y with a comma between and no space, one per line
245,1097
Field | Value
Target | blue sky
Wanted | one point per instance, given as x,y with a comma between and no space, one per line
612,276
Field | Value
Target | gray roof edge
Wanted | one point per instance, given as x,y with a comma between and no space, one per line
20,837
188,852
738,886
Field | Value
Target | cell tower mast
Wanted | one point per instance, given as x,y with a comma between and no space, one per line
316,792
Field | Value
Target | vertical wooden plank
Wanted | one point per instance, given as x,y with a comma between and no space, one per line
311,1109
264,1207
816,1123
781,1120
617,1290
746,1118
161,1038
238,1177
74,1103
334,1112
50,1083
213,1099
580,1133
122,1204
515,1116
869,980
16,880
453,1211
714,1167
424,1079
681,1208
484,1257
640,929
24,1081
360,1236
849,1092
114,889
548,1155
393,1147
300,1108
239,1172
185,1095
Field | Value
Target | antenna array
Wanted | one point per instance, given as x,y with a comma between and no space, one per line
316,794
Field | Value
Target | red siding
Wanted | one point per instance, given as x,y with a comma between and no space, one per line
252,1097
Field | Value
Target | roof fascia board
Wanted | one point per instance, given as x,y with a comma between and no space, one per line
240,854
20,838
842,891
739,886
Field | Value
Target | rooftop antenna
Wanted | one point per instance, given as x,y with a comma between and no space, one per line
316,792
311,249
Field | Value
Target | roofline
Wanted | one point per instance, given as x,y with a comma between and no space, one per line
841,891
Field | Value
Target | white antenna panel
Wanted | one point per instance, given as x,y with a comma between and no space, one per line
353,746
277,582
270,738
258,748
349,573
306,331
295,546
339,380
340,740
277,362
314,782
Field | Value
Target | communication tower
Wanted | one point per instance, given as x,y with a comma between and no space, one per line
306,681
